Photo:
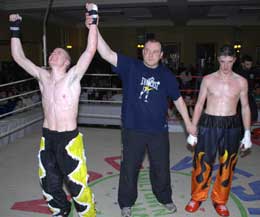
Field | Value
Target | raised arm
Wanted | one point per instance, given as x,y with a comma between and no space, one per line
17,49
105,51
86,57
103,48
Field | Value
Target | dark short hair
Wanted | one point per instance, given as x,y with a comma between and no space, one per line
227,50
246,58
154,40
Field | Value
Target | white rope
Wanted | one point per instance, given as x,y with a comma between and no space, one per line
100,116
29,79
101,75
101,101
40,118
101,88
21,127
23,94
20,109
16,82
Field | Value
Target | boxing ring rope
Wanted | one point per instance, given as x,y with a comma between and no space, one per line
100,116
101,88
189,90
100,101
93,74
4,118
16,82
89,115
20,127
30,92
20,109
22,94
92,88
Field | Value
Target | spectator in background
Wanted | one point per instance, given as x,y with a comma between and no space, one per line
84,94
11,103
3,103
246,71
117,96
185,79
7,105
36,97
19,104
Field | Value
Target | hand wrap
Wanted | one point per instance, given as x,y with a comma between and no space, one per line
93,12
246,141
192,140
15,27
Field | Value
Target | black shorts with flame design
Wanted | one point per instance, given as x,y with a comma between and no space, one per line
216,134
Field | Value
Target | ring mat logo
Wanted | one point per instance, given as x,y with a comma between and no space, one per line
106,189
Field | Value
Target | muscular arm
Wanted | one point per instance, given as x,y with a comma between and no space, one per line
182,108
17,49
103,48
200,102
245,110
20,58
78,71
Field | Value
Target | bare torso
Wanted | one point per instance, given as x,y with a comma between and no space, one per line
223,94
60,99
60,87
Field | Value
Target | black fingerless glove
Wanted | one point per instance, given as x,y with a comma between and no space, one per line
94,14
15,27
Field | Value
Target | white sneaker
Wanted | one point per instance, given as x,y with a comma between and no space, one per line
171,207
126,212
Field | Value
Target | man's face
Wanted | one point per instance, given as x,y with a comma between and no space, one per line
247,65
59,57
152,53
226,63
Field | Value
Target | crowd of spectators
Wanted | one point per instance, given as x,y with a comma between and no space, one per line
188,75
13,97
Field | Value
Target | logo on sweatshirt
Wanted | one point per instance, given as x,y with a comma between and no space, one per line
148,85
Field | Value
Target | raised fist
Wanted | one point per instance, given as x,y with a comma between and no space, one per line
14,17
15,23
91,14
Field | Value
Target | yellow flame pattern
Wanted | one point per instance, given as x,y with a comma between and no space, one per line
79,176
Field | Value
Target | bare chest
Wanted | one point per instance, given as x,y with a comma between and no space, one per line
224,89
60,95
